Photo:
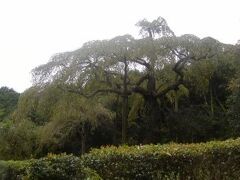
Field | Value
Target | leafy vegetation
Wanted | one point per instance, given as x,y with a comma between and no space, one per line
66,167
212,160
12,170
8,101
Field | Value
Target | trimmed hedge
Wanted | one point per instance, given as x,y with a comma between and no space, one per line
52,167
60,167
212,160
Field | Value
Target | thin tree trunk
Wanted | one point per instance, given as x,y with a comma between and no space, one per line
211,101
125,104
175,102
219,102
83,139
124,119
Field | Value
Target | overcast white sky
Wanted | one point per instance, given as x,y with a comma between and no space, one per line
31,31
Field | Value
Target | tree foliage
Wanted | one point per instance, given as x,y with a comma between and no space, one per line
8,101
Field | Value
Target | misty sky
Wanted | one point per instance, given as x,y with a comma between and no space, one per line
31,31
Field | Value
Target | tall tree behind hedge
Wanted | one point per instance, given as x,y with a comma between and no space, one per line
8,101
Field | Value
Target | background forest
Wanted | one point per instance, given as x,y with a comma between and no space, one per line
155,89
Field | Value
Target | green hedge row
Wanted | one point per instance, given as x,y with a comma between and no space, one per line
52,167
59,167
212,160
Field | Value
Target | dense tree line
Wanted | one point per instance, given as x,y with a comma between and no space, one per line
155,89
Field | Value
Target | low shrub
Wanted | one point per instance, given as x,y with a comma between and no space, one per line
13,170
52,167
212,160
59,167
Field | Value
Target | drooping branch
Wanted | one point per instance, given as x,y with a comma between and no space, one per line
98,91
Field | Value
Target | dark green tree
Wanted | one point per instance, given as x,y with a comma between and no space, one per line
8,101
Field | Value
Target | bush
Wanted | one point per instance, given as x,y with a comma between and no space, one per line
54,167
212,160
59,167
13,170
17,139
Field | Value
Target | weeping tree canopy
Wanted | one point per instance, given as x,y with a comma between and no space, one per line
153,67
73,117
98,66
61,116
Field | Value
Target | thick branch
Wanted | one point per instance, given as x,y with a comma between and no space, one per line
140,90
178,67
179,54
141,61
178,70
169,88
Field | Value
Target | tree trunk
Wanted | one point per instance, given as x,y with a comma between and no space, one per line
83,139
125,104
211,99
175,101
124,119
152,120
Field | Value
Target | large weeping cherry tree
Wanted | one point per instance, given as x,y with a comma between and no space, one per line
125,66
